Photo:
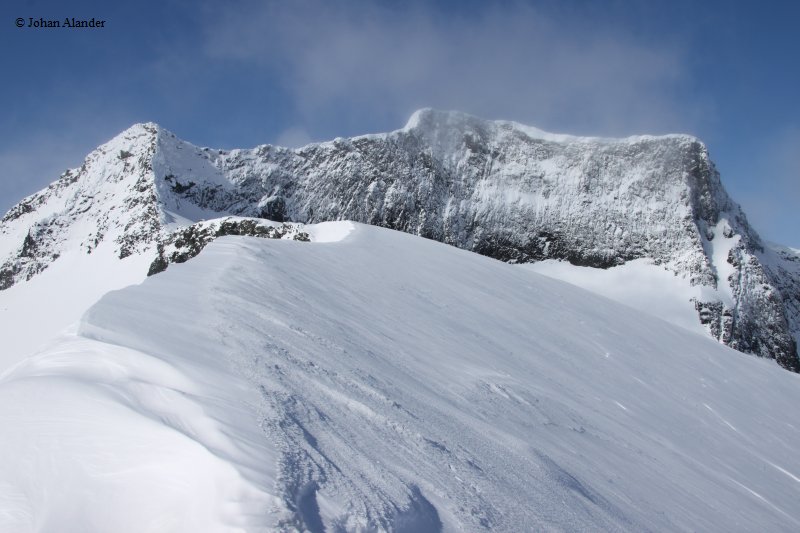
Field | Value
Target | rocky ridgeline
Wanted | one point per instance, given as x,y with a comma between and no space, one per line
496,188
186,243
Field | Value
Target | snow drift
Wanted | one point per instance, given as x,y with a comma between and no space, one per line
383,382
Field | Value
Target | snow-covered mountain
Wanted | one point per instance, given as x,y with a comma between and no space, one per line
279,373
501,189
370,380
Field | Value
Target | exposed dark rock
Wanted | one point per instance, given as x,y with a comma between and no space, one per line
274,209
186,243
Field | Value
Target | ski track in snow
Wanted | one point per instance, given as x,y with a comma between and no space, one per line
384,382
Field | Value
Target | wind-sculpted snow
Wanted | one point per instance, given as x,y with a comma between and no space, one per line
500,189
385,382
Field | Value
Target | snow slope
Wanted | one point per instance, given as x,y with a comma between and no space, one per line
640,284
383,382
32,313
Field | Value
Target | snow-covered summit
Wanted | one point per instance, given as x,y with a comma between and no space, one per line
497,188
429,119
109,197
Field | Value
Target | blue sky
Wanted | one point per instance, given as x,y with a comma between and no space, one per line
242,73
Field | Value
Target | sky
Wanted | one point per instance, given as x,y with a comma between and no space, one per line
242,73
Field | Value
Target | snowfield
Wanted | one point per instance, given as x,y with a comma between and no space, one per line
379,381
33,312
640,284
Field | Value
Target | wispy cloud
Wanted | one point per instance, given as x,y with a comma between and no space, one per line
345,61
293,138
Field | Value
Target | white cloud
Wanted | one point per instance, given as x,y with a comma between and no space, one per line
351,61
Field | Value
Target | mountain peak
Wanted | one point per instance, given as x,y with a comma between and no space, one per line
429,119
109,202
139,130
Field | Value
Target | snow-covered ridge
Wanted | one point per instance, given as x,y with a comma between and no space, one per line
496,188
388,383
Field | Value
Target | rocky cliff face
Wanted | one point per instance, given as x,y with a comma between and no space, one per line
496,188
